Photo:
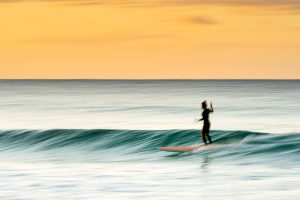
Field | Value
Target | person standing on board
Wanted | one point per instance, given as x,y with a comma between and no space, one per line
206,122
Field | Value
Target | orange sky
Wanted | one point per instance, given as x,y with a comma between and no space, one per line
151,39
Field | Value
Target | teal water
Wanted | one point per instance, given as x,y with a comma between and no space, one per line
101,139
131,145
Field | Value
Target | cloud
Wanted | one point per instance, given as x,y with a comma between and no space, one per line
82,3
228,2
239,2
93,39
290,5
202,20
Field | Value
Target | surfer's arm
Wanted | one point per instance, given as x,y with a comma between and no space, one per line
211,107
200,119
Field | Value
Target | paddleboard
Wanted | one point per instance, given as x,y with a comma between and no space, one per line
187,149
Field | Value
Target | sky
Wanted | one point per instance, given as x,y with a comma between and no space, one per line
150,39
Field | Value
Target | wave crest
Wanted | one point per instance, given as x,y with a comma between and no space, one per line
144,144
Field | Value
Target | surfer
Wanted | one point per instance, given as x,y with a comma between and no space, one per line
206,122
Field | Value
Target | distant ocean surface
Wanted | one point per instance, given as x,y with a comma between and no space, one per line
100,139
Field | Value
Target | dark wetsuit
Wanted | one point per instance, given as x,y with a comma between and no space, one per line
206,125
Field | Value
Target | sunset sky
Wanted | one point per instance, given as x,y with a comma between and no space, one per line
150,39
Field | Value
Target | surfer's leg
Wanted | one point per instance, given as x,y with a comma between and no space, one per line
204,138
209,138
207,133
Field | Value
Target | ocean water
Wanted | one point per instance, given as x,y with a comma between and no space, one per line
96,139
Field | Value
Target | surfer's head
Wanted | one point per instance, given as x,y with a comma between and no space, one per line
204,105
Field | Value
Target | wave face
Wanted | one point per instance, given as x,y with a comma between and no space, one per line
130,145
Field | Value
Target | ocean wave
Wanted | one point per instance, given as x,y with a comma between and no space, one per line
102,144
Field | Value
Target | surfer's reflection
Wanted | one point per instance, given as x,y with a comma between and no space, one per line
206,161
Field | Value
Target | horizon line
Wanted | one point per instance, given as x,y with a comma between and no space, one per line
150,79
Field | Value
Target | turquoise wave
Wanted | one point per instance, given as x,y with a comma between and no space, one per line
116,145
